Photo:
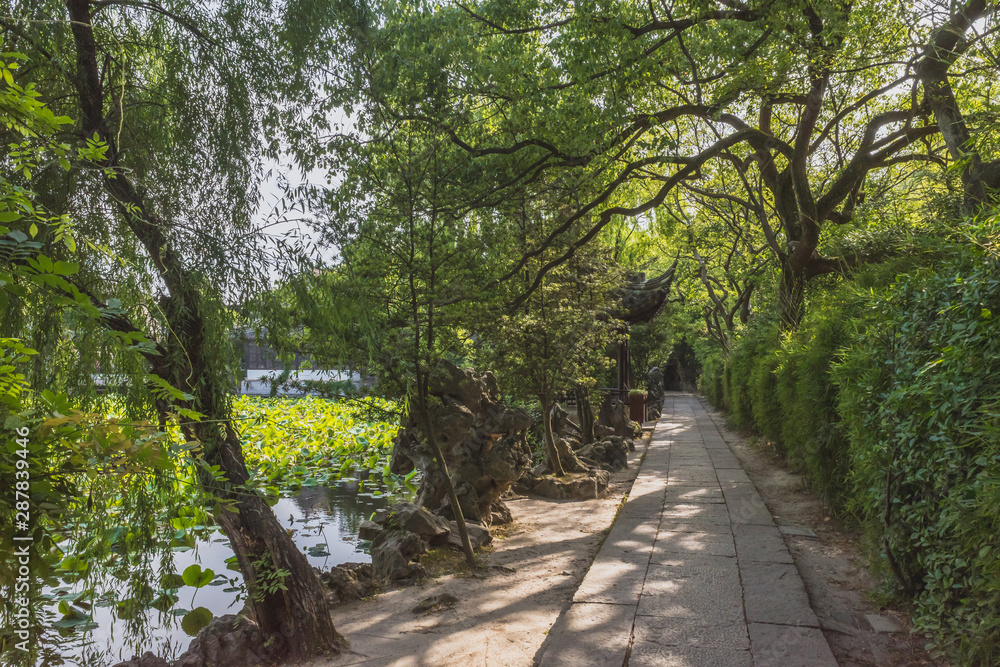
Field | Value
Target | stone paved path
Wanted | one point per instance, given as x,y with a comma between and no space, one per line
694,572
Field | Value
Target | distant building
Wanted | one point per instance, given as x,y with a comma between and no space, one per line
262,367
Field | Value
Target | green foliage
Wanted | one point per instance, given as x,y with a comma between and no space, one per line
196,577
711,381
781,387
97,489
269,578
887,398
85,476
558,340
113,498
809,430
196,619
653,343
920,395
747,376
291,443
494,142
762,387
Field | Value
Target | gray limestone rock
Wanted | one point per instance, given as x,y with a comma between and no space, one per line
568,458
368,530
620,422
483,441
573,486
500,513
564,427
435,603
394,555
348,581
610,453
416,519
228,640
147,660
479,535
601,431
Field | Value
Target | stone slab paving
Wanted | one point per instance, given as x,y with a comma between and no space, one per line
694,572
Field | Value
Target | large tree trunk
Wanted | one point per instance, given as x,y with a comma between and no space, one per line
791,296
980,180
296,620
290,609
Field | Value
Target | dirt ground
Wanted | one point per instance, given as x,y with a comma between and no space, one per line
832,567
501,614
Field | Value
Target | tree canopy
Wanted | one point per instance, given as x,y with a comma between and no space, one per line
803,114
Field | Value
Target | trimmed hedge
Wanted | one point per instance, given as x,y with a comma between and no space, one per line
711,381
887,397
920,392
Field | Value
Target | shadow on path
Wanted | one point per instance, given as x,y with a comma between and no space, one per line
694,571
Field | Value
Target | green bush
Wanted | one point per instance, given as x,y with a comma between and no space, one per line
887,396
746,376
810,428
919,395
764,405
712,379
781,388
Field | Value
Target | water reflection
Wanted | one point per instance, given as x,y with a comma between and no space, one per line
323,522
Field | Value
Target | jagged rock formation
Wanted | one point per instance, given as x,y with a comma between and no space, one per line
567,457
415,519
479,535
620,422
610,453
587,465
573,485
483,441
403,533
435,603
396,555
348,581
601,431
147,660
229,640
563,427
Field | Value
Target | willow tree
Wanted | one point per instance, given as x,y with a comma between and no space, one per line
170,100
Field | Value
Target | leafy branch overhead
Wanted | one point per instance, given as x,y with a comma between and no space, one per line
817,103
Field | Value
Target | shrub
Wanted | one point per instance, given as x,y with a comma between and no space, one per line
810,429
712,379
764,404
746,376
919,394
888,397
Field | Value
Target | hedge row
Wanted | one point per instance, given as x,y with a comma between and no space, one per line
887,397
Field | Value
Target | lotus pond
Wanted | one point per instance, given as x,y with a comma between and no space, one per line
324,467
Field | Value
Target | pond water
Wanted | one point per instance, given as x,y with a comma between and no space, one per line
323,522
